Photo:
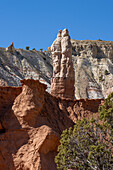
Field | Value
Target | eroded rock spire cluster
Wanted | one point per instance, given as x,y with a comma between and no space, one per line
62,83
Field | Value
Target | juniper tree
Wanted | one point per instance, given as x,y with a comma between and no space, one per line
89,145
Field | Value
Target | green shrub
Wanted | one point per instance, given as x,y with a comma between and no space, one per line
41,49
100,40
106,110
27,47
89,145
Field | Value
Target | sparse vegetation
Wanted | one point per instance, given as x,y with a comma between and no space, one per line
27,47
106,111
89,146
34,49
100,40
41,49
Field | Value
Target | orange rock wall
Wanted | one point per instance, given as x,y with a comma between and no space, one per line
33,120
7,96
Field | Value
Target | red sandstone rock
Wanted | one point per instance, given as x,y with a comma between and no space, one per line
7,97
62,87
31,122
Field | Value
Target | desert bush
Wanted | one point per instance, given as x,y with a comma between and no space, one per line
34,49
89,145
99,39
41,49
27,47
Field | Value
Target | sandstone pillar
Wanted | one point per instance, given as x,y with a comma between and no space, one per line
62,82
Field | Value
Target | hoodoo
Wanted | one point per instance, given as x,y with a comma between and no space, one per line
62,83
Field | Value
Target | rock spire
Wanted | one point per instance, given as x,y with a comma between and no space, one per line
10,48
62,83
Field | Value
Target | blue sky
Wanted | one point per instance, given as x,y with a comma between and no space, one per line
35,23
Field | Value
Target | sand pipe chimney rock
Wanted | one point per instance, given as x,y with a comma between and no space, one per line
62,82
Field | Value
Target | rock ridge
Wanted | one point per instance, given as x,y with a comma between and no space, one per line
31,124
92,62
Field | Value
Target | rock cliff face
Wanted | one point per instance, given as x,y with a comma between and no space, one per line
92,62
63,80
17,64
31,121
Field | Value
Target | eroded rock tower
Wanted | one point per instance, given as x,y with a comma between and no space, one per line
62,82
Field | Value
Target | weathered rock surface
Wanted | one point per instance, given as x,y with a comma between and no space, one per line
63,80
31,121
17,64
92,62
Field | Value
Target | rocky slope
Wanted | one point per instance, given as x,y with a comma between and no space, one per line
31,121
93,64
17,64
92,60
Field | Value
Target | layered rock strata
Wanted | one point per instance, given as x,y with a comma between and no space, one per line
62,83
92,61
31,121
17,64
93,64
